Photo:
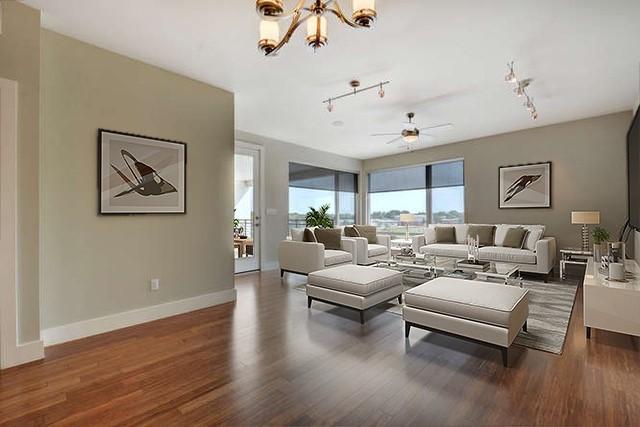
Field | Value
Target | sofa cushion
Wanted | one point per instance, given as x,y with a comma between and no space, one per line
461,232
309,236
483,302
445,235
514,238
351,231
501,233
512,255
369,232
430,235
330,237
484,234
376,250
297,234
333,257
356,279
453,250
532,237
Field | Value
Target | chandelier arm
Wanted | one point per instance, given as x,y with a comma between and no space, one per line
285,15
337,10
295,23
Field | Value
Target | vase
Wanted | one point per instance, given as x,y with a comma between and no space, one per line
599,249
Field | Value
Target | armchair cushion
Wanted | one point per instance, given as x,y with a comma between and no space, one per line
377,250
368,231
333,257
330,237
351,231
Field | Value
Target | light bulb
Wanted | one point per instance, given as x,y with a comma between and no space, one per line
269,36
330,106
511,76
381,92
519,90
364,12
317,32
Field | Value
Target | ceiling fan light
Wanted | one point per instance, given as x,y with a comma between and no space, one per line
269,36
317,32
269,8
364,12
410,138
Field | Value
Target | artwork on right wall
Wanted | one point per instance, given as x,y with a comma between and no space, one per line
525,186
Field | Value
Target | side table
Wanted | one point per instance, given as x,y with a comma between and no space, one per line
572,256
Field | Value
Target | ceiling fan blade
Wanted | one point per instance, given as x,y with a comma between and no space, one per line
385,134
439,127
394,140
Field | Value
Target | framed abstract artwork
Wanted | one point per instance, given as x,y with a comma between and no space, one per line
140,174
525,186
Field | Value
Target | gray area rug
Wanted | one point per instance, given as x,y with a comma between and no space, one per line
550,307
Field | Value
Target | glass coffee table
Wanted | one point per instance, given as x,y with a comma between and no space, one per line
418,269
510,275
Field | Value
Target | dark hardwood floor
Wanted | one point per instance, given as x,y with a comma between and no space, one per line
267,359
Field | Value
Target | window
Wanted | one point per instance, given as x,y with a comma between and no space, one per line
434,194
311,186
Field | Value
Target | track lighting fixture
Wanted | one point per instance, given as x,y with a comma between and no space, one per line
355,89
521,90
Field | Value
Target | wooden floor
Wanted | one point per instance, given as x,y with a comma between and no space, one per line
268,360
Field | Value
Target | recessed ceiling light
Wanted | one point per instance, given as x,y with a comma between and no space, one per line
337,123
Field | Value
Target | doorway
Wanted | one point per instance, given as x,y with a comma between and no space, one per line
247,207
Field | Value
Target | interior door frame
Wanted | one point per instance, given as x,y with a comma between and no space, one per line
12,352
260,197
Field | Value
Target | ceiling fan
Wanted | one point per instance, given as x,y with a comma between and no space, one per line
411,133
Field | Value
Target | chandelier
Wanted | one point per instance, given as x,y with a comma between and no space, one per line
313,13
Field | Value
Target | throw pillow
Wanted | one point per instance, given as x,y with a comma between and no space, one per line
331,238
445,235
368,231
351,231
514,238
430,236
309,236
532,239
297,234
484,234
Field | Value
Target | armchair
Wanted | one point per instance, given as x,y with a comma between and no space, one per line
306,257
368,253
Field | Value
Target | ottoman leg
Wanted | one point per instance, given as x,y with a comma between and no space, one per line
505,357
309,299
281,273
407,328
399,299
362,317
524,327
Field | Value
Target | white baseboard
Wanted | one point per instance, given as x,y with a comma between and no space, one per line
23,353
99,325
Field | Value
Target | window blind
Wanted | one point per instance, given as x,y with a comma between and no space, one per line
439,175
316,178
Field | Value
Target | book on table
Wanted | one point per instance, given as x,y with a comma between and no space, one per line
474,265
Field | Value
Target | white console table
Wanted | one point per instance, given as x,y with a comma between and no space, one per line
609,305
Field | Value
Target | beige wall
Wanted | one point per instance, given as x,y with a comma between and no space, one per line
278,154
20,61
588,172
98,265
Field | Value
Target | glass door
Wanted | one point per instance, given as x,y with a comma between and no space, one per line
246,222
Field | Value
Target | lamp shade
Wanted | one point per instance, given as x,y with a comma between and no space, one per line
585,217
407,217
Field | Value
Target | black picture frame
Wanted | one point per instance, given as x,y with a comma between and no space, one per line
180,209
547,205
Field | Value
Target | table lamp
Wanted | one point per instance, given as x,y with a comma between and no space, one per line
407,218
585,218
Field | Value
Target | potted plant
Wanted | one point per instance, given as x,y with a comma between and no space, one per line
319,217
600,239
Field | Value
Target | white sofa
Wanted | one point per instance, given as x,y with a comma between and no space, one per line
538,254
300,257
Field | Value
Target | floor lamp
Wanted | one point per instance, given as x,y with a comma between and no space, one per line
406,218
585,218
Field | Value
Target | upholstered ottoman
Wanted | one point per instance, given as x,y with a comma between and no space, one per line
354,286
488,313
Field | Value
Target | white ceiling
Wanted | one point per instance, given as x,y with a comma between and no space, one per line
446,61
